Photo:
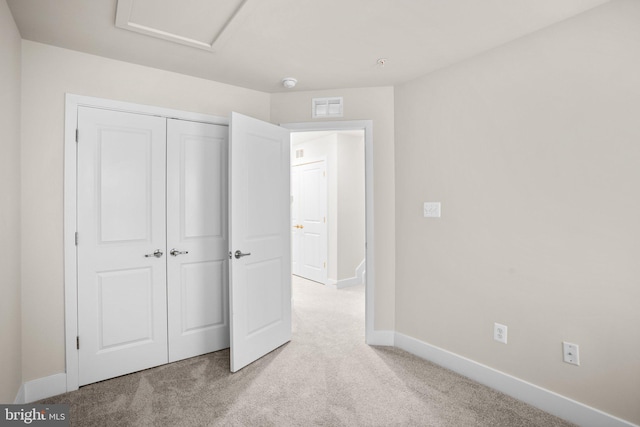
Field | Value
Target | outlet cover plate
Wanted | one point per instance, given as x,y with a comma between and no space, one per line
432,209
500,333
571,353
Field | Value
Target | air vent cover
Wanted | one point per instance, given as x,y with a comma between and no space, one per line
326,107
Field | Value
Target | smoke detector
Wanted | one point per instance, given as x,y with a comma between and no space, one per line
289,82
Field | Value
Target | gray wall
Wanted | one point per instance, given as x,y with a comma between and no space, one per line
534,151
10,309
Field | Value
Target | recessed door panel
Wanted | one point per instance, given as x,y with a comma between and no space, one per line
125,180
203,281
265,305
203,163
125,304
121,224
262,214
311,180
197,210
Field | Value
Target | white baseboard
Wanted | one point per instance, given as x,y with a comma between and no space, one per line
42,388
532,394
384,338
345,283
356,280
19,400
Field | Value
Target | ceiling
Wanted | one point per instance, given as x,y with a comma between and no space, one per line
325,44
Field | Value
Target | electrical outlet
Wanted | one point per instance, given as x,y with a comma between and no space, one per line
571,353
432,209
500,333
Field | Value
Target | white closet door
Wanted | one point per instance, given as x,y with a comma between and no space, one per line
122,317
197,243
260,285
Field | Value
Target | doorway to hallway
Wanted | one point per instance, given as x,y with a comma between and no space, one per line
328,211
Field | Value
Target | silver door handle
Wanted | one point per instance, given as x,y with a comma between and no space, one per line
157,253
175,252
240,254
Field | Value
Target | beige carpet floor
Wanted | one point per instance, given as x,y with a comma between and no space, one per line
326,376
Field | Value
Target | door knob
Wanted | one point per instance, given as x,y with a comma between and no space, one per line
175,252
239,254
157,253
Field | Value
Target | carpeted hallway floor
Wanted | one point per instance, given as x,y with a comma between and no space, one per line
326,376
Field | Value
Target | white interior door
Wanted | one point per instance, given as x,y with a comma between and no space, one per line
197,244
311,226
296,231
122,303
260,267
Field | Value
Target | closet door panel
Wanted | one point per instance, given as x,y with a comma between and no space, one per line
122,301
197,242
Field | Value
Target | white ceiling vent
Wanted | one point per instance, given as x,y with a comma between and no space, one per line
326,107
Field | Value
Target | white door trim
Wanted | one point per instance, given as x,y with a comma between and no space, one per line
72,102
367,126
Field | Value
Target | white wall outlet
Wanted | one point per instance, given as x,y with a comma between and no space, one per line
571,353
500,333
432,209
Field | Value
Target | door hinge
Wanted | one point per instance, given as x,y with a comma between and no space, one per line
324,264
76,238
76,135
324,219
77,343
323,172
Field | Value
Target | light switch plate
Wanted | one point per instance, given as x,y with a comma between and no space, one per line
432,209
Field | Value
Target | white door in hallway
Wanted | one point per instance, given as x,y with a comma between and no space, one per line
260,239
296,231
197,242
309,211
122,300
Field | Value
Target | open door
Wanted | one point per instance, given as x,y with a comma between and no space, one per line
260,240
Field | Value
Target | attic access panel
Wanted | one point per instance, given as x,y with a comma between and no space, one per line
195,23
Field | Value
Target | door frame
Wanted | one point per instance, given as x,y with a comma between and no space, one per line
72,102
367,126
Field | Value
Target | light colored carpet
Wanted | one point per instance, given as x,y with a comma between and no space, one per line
326,376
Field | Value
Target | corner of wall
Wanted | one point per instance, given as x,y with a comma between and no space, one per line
10,137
